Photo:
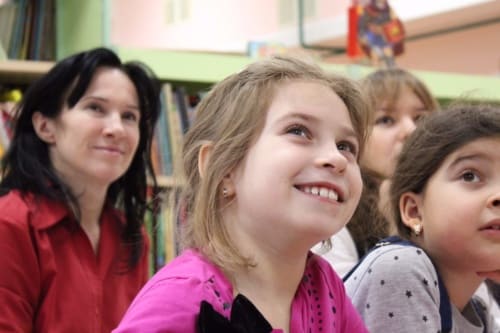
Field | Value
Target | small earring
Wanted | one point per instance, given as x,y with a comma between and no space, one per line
417,229
224,192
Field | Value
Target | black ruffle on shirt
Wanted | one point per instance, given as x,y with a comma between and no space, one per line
245,318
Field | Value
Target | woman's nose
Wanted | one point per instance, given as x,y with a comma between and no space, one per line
407,126
114,124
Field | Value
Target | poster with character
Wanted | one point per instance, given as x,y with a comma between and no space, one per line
375,31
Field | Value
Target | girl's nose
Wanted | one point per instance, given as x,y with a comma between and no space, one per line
494,200
332,159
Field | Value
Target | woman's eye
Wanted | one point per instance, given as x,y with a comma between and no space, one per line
418,118
299,130
470,176
385,120
95,107
130,116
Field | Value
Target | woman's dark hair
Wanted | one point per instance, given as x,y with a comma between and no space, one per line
27,166
436,137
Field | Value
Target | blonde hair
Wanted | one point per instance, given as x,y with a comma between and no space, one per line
385,85
230,117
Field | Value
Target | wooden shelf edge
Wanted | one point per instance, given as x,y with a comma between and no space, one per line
23,71
208,68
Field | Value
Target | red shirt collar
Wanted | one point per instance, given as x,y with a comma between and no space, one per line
55,212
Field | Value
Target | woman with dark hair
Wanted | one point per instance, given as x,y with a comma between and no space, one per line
73,196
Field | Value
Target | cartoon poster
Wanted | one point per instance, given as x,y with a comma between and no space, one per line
375,31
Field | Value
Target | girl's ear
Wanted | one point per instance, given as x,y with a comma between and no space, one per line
228,188
44,127
410,208
203,157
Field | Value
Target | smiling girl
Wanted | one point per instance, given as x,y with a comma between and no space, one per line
272,168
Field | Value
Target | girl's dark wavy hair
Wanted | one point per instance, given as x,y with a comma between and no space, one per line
437,136
27,167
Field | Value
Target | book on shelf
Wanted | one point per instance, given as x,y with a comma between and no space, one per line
177,112
170,225
174,127
27,29
163,134
3,54
14,48
8,14
181,99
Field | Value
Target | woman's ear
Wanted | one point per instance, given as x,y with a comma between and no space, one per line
203,157
410,206
44,127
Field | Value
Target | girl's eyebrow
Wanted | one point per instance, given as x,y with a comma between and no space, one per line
299,115
346,130
473,156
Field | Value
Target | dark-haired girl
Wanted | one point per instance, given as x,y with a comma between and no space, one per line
445,195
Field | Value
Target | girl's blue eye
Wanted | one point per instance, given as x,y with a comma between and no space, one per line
299,130
348,147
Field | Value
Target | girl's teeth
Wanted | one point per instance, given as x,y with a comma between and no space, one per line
333,195
322,192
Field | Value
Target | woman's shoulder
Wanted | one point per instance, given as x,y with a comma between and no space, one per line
30,210
16,209
13,201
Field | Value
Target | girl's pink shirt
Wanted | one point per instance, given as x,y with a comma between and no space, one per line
170,301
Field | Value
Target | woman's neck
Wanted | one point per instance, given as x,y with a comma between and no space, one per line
91,203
